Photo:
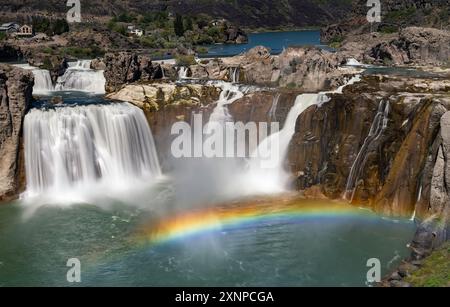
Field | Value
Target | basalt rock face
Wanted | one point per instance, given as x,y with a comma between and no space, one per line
413,45
125,67
435,204
16,87
55,64
263,106
372,148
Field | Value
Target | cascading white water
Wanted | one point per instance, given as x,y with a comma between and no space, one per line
80,64
80,77
377,128
72,153
229,94
353,62
266,172
234,73
42,80
273,108
182,72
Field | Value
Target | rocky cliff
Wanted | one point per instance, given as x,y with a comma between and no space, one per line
126,67
15,99
395,16
372,148
412,46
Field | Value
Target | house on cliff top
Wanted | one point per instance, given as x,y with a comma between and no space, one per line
25,31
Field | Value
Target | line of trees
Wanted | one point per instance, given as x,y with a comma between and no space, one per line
50,27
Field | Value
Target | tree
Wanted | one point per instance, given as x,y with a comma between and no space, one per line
60,26
178,25
41,24
188,24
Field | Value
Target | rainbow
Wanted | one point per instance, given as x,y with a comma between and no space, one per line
190,224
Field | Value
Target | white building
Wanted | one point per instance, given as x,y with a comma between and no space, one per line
132,30
10,27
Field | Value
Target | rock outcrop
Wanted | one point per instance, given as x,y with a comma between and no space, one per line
436,228
414,45
309,69
126,67
411,46
373,148
16,87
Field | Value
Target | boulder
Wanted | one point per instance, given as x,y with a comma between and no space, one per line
127,67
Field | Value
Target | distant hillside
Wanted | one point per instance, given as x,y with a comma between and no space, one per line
425,13
247,13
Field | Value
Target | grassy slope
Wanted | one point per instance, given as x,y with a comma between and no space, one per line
435,271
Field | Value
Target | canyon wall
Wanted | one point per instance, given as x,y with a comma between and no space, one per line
15,99
372,148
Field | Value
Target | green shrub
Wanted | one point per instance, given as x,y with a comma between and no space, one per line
47,50
87,52
185,60
202,50
387,29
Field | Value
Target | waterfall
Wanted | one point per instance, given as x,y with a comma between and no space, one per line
182,72
229,94
267,172
379,124
234,74
355,63
72,152
80,64
273,108
80,77
42,80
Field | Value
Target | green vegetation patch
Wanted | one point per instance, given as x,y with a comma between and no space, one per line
185,60
435,271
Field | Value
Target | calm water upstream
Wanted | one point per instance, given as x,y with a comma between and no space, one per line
276,41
